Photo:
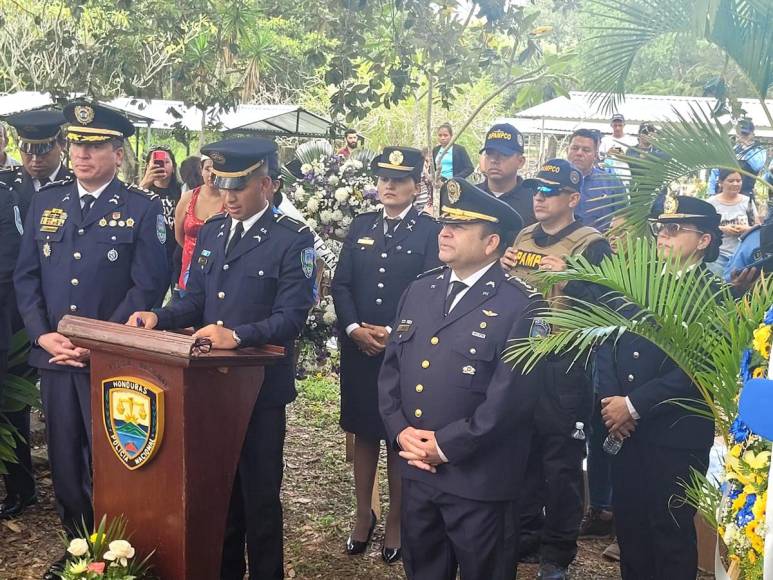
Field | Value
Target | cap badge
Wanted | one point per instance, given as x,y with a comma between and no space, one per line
396,157
670,205
217,157
454,191
84,114
574,177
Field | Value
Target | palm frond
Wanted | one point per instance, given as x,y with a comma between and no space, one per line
686,313
704,495
312,150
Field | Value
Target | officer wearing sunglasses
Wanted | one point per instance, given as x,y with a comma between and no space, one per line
555,481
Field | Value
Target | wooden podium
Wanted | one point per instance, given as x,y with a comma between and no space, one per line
168,424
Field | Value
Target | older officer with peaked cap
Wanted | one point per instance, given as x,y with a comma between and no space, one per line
41,145
651,403
383,253
92,246
251,283
461,417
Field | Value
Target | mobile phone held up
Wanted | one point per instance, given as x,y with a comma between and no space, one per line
159,158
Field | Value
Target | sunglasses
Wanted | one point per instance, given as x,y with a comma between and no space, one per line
550,191
670,229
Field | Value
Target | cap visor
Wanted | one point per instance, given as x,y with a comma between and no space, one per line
230,182
35,148
503,149
392,173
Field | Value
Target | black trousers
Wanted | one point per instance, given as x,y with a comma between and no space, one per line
655,527
255,513
67,405
442,533
20,481
552,505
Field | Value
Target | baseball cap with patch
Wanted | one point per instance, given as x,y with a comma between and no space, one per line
37,130
503,138
554,176
234,160
95,123
745,126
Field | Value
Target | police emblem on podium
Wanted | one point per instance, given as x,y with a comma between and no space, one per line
133,416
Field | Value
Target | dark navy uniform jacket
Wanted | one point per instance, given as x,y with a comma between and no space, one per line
373,271
106,267
20,182
10,238
263,290
657,388
446,374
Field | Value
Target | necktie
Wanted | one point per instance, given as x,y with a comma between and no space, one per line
456,287
88,201
392,224
238,231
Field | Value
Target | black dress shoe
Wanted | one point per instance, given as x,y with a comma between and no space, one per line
353,547
12,506
55,569
390,555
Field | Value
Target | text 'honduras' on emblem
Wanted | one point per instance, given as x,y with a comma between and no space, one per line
133,417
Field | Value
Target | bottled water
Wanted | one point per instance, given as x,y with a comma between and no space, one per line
578,432
612,444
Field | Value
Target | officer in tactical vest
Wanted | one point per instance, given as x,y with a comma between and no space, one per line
92,246
554,478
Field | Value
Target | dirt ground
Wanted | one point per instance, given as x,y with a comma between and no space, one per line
318,508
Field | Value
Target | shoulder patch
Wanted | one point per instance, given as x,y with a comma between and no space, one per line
525,287
291,223
141,190
437,270
66,181
746,234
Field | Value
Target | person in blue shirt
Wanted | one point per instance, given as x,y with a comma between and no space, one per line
748,150
599,196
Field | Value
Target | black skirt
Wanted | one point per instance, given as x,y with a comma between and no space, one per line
359,392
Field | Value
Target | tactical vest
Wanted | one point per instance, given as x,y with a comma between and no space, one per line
529,255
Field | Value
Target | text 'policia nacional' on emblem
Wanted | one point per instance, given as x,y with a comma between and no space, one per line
133,416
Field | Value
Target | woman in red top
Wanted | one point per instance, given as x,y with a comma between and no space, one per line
194,208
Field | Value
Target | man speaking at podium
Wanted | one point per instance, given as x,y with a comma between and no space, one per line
251,283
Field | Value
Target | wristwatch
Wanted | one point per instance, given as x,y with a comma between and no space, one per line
237,340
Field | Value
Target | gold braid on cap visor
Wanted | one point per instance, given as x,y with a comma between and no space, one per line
241,173
465,215
396,167
91,134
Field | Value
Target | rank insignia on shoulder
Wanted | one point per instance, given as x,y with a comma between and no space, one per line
366,241
468,370
490,313
539,328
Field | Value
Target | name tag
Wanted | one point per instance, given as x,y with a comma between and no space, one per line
366,241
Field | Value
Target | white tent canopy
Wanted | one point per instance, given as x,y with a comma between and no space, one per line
563,115
277,120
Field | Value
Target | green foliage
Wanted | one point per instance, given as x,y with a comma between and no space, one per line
696,323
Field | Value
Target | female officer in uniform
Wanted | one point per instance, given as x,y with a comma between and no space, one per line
383,252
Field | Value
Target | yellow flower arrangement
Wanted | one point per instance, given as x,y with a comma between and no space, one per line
761,342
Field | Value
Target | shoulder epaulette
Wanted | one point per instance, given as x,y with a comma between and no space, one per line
141,190
527,288
291,223
66,181
747,232
367,214
432,271
10,175
218,216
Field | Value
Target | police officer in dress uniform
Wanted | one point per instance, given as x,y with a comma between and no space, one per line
554,478
382,254
41,145
645,390
461,417
19,483
251,283
93,246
